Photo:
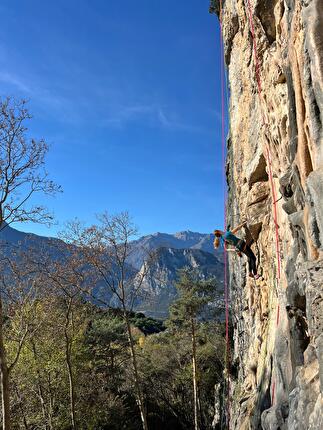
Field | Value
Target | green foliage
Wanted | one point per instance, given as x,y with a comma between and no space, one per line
166,368
146,324
194,296
196,340
40,376
104,387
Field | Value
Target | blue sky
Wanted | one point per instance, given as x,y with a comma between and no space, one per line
127,94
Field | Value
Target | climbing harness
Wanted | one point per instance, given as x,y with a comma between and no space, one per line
241,245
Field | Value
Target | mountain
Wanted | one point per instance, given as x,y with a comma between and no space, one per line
182,240
158,289
172,252
10,237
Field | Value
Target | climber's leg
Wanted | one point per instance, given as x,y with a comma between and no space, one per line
251,261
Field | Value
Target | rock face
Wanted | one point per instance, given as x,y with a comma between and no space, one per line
158,290
278,340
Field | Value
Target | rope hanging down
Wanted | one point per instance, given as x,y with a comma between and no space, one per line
265,124
269,162
226,289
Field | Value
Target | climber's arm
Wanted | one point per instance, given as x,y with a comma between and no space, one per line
238,227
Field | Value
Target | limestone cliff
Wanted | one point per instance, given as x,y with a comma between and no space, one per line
277,359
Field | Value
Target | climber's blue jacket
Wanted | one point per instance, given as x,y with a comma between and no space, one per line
230,238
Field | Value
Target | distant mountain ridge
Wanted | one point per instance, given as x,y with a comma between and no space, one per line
173,252
181,240
12,240
159,286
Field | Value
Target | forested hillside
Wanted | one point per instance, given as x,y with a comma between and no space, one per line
71,362
81,354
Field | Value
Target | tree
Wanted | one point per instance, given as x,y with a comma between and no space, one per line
165,363
106,248
22,175
63,269
22,172
66,278
194,295
41,376
18,308
110,395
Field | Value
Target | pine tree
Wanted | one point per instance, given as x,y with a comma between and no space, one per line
194,295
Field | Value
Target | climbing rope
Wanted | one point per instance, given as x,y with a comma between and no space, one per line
272,184
265,124
268,159
226,289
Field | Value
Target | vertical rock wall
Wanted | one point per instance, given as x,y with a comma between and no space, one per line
277,361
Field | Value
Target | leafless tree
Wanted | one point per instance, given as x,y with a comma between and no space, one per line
22,175
66,277
106,248
22,172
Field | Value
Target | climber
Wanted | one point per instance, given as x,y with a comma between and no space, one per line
240,247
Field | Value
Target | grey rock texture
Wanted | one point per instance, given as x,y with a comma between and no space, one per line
181,240
278,340
158,290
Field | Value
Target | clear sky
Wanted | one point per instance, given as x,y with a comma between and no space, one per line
127,94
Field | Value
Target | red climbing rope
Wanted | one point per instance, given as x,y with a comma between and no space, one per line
226,289
269,163
277,318
273,393
265,123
